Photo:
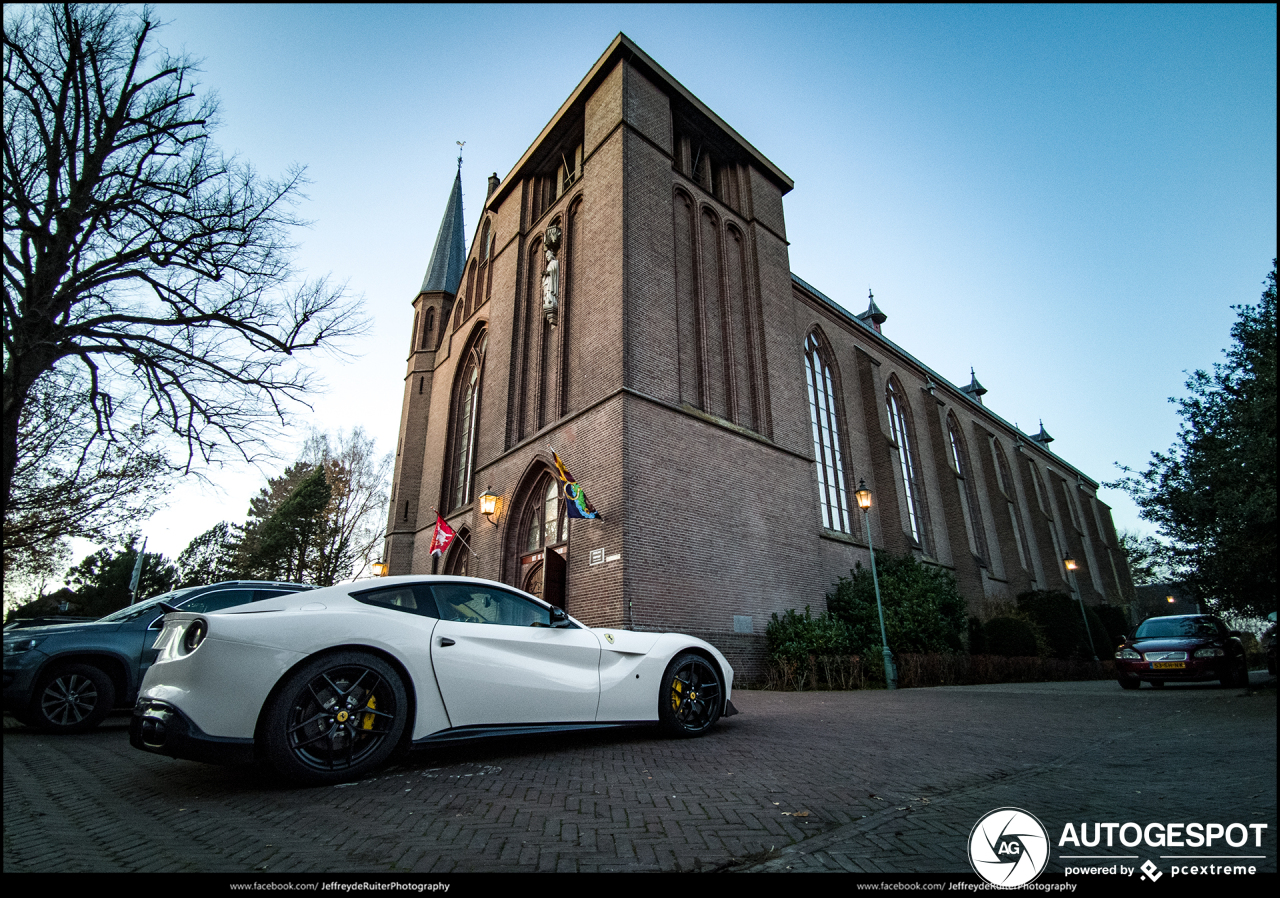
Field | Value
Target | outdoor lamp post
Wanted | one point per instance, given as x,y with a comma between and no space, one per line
864,502
1070,564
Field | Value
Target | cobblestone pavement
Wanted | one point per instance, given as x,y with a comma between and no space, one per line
874,781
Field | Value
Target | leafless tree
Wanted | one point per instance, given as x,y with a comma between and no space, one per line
359,481
136,254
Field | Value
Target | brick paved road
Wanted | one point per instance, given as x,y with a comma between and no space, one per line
891,782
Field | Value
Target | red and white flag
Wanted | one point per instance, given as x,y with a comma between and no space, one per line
442,537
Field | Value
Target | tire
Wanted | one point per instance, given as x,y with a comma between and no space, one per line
335,719
1130,684
691,696
1237,677
71,699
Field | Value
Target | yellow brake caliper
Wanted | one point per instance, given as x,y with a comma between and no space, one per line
367,722
676,688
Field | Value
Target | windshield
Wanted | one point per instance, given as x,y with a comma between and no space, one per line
1171,627
132,612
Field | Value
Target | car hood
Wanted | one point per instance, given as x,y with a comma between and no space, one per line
61,630
1170,643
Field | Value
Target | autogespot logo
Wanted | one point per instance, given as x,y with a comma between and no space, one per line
1008,847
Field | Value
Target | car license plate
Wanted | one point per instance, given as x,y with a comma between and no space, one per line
1167,665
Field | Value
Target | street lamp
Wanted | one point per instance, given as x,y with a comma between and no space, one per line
864,502
1070,564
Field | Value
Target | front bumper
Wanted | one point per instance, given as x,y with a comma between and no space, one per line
1193,670
161,728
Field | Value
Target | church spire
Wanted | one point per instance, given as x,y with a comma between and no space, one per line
450,253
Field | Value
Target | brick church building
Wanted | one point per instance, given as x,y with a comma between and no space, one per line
628,303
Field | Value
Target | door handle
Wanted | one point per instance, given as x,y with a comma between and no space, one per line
445,641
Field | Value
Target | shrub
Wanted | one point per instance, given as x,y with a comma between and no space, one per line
1115,619
797,636
1010,637
977,637
923,610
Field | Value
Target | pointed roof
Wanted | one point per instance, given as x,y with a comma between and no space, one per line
450,254
1043,437
873,312
974,390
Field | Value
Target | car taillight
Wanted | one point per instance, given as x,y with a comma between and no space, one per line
196,632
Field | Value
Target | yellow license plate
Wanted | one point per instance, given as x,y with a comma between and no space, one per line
1167,665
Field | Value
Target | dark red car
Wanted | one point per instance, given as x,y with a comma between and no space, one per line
1181,649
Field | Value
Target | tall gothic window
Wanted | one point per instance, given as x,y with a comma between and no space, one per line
1042,499
968,491
547,524
1004,480
466,416
833,497
908,466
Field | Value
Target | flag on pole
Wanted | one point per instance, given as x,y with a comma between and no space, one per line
442,536
578,505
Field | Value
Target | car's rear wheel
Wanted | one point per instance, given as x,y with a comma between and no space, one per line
71,699
335,718
691,697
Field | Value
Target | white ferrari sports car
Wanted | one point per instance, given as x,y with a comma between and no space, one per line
327,685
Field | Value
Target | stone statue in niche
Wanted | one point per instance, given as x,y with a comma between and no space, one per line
551,276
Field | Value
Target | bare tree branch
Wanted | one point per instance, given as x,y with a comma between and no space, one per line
148,268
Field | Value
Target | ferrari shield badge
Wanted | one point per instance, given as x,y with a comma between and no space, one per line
609,636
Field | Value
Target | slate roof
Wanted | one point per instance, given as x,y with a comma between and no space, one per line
450,254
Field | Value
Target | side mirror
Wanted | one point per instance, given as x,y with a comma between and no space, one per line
558,617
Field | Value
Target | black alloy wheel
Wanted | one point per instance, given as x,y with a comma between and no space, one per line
691,697
72,699
336,718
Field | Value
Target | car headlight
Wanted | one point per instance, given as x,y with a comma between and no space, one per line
21,646
1128,654
1209,652
196,631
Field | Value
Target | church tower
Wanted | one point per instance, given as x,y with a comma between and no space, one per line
431,309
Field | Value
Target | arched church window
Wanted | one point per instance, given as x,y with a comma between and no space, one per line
547,524
833,497
466,415
457,562
1004,480
968,490
908,466
428,326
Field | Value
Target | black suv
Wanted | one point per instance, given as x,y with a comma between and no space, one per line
66,678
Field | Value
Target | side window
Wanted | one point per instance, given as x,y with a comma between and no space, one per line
477,604
216,601
409,597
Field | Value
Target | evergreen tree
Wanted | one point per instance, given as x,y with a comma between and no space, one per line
101,580
209,558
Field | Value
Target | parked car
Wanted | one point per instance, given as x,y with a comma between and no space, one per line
1181,648
66,678
328,686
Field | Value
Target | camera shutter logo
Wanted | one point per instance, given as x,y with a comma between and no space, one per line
1008,847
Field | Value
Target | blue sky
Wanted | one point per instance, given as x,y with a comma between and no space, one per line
1068,199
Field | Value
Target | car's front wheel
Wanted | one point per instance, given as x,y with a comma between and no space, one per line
1237,676
691,697
71,699
336,718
